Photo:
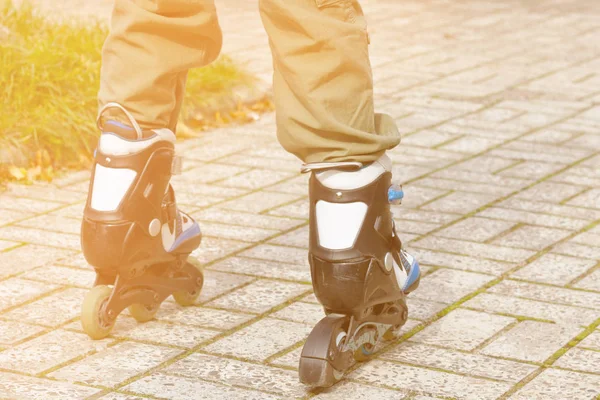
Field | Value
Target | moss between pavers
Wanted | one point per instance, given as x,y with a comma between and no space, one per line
49,75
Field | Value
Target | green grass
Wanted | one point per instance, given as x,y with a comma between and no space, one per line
49,79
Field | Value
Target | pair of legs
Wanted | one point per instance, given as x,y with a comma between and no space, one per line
323,86
139,242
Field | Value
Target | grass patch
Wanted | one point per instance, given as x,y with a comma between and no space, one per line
49,79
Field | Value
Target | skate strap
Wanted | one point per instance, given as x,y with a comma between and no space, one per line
348,166
134,124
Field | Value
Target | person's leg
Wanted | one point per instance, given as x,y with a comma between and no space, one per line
132,233
325,116
323,83
151,46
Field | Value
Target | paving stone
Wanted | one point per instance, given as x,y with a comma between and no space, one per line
462,329
259,201
306,313
533,309
283,254
28,257
264,268
47,351
215,214
452,360
261,339
180,388
448,286
7,244
499,253
29,205
471,144
404,226
476,229
16,386
236,232
423,309
590,198
118,396
532,237
425,216
259,296
552,192
12,332
587,238
578,250
590,282
10,216
533,218
553,384
290,360
555,269
298,209
485,163
551,209
217,283
201,316
163,333
65,275
580,360
546,293
532,170
592,341
117,363
238,373
52,311
354,391
213,249
531,341
296,238
429,381
40,237
472,187
476,177
16,291
257,178
460,202
427,257
55,223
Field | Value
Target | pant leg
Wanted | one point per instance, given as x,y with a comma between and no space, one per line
323,82
151,46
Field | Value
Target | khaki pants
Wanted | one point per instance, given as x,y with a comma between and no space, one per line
323,86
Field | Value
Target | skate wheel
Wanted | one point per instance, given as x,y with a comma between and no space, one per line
364,352
318,373
92,321
185,298
142,312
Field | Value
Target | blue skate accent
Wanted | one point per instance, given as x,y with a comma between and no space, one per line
395,194
188,234
119,124
413,275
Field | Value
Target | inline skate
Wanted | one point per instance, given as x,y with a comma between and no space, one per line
132,232
360,272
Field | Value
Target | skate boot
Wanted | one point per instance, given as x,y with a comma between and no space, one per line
360,273
132,232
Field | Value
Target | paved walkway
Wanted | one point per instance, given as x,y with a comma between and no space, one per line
499,105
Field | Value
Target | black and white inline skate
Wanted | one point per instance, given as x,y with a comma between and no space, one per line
132,232
360,273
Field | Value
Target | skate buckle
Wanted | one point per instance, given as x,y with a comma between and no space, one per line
395,194
177,165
